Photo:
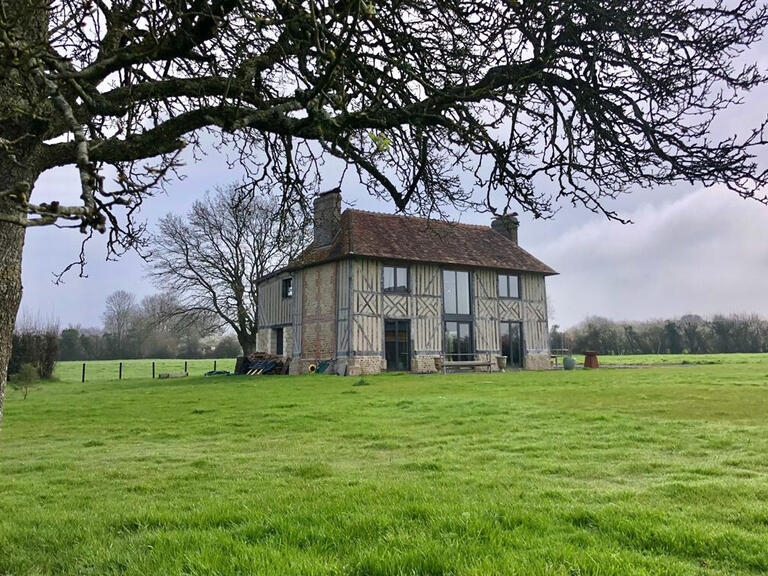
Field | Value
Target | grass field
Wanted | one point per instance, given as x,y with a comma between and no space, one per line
674,359
102,370
610,472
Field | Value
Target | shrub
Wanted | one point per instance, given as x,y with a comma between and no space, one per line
227,347
25,378
37,345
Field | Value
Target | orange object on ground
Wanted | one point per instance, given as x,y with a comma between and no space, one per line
590,359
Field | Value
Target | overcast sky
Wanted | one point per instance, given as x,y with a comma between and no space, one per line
690,249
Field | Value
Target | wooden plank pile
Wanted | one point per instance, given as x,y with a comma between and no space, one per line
260,364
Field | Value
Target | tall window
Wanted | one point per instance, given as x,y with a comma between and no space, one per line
512,343
457,305
395,279
287,287
458,341
509,286
456,295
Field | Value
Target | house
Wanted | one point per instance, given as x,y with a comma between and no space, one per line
377,292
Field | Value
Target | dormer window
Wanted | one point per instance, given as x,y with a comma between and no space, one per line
395,279
287,287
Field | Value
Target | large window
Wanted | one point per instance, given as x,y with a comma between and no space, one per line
287,287
458,341
397,345
395,279
512,343
457,305
456,294
509,286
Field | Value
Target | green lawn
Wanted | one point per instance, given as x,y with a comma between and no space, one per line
649,471
100,370
673,359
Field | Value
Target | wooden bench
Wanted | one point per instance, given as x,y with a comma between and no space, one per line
468,364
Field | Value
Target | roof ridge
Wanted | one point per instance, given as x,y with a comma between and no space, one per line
409,217
403,237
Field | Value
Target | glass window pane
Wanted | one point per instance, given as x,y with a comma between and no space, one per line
514,287
403,345
462,292
390,344
401,279
451,340
516,345
449,291
389,278
503,292
465,340
505,341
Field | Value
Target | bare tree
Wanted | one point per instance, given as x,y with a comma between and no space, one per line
157,311
211,259
165,329
159,333
120,317
598,96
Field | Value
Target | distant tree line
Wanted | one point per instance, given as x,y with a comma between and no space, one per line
690,334
150,328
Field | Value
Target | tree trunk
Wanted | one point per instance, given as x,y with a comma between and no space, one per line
22,106
11,246
247,343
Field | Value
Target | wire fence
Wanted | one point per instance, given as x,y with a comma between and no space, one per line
103,370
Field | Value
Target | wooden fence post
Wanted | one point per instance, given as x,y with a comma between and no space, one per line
153,370
120,373
214,365
83,377
185,366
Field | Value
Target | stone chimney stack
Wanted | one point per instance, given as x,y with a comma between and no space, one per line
507,225
327,216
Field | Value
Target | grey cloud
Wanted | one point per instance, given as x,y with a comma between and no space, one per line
706,252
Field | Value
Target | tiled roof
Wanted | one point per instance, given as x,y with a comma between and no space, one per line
407,238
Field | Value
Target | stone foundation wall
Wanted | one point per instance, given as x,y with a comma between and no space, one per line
301,366
537,362
420,364
423,364
360,365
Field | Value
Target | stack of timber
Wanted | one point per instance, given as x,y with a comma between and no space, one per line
260,364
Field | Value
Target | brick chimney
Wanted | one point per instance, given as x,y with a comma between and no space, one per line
507,225
327,216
